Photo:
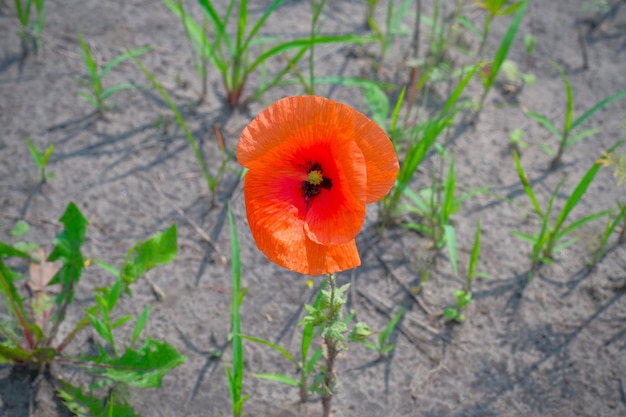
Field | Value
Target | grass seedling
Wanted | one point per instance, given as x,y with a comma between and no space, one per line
30,340
30,33
494,8
611,226
95,92
551,237
515,140
383,348
464,296
41,160
235,372
231,56
212,181
424,137
393,25
565,137
490,72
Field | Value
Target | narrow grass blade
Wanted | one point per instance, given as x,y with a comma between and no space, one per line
581,135
456,94
237,345
118,87
268,11
274,346
121,58
451,243
545,122
210,180
581,222
602,103
506,43
396,111
279,378
570,99
529,191
471,273
384,335
524,236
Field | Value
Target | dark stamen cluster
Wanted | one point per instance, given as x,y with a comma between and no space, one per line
311,190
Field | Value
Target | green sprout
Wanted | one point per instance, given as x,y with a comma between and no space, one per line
95,92
41,159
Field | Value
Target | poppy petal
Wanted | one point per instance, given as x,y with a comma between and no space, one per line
277,225
380,157
336,215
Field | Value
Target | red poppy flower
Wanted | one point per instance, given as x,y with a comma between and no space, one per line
313,166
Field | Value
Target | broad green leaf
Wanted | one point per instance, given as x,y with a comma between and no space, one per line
6,250
67,248
160,249
279,378
141,368
84,405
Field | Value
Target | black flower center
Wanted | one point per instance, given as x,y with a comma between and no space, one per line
315,182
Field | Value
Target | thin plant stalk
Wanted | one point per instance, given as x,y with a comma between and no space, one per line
330,379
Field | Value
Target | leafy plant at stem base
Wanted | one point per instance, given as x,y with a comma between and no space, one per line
569,125
305,366
95,92
30,33
464,295
235,375
549,240
489,72
41,160
29,342
231,56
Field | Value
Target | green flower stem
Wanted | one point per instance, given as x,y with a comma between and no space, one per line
330,380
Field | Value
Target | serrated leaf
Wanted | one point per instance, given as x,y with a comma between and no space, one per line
141,368
160,249
67,249
84,405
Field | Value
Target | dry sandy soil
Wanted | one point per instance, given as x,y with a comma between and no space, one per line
554,346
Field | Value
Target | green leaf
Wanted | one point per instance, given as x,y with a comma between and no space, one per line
602,103
34,153
451,243
236,377
21,228
6,250
526,184
277,348
84,405
450,313
581,135
317,355
107,267
475,254
570,99
141,324
142,368
378,102
506,43
526,237
279,378
102,329
114,89
46,155
67,248
545,122
160,249
119,59
384,335
91,99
